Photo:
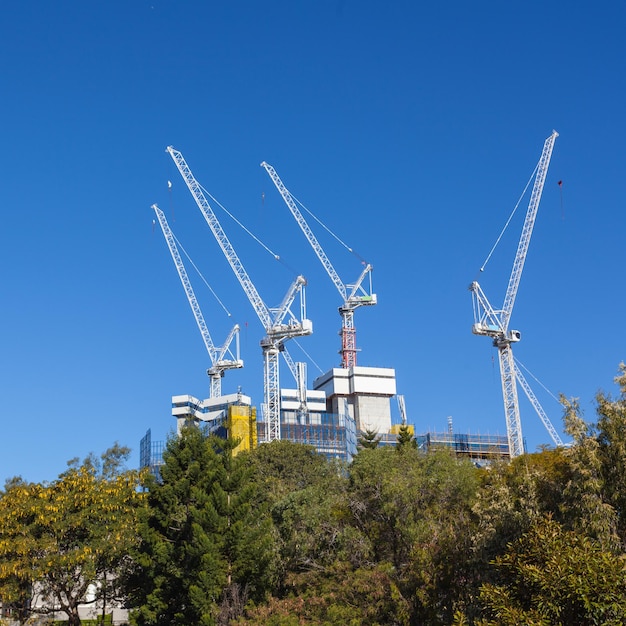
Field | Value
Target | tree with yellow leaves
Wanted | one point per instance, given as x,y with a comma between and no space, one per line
60,539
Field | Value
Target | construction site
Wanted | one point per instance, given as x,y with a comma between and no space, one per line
350,399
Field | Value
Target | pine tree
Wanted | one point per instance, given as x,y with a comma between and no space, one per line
369,439
203,549
405,439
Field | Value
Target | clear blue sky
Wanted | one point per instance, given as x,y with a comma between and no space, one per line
409,128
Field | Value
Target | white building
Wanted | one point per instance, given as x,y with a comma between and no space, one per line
363,392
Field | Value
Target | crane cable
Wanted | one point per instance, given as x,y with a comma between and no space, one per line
201,276
536,379
276,256
321,371
510,218
330,232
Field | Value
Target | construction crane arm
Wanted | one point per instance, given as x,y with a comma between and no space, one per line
217,355
284,308
221,352
184,279
308,233
527,229
495,323
365,297
486,318
218,232
353,296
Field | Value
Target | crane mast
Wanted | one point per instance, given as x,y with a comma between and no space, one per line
277,328
494,323
356,297
219,364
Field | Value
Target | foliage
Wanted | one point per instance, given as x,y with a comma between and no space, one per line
282,467
341,596
368,439
585,503
204,550
58,539
554,576
281,536
611,429
405,439
415,510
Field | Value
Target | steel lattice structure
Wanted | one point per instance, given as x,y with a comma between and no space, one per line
495,323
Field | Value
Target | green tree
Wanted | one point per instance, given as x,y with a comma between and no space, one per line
415,511
204,550
558,577
281,467
585,506
64,537
339,596
611,436
368,439
405,439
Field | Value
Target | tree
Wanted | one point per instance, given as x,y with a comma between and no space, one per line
339,596
611,436
204,550
62,538
281,467
16,584
554,576
415,511
368,439
585,498
405,439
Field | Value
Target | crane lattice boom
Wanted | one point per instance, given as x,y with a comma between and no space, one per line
494,323
353,296
273,320
218,363
527,229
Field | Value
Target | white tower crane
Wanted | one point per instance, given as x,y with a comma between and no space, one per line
495,323
276,327
354,295
219,361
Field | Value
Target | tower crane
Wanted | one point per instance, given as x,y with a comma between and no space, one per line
495,323
353,295
280,324
219,361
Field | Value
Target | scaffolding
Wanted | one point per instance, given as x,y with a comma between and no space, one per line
151,454
331,434
478,448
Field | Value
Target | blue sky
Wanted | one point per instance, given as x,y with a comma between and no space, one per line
409,128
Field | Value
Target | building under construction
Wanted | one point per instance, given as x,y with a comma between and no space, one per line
230,415
344,403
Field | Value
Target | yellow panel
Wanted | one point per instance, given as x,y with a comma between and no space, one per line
395,429
242,426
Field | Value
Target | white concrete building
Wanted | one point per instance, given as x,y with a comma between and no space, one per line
363,392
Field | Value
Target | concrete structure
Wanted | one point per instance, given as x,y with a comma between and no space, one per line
232,414
342,402
362,392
